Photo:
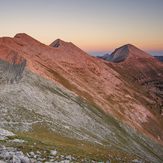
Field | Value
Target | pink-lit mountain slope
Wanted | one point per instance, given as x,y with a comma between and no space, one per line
126,52
130,91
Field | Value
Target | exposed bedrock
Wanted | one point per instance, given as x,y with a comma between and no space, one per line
11,72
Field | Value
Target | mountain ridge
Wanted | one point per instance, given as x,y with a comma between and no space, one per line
103,84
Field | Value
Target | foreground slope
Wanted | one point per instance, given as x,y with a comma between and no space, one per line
38,108
114,88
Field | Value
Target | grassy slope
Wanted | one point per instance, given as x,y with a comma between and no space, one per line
118,105
42,111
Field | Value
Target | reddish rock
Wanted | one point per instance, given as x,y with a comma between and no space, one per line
115,88
127,52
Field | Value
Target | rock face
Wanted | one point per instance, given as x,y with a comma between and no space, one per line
12,65
130,91
11,72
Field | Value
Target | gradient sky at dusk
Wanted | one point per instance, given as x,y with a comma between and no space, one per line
93,25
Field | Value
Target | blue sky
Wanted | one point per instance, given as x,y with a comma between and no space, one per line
96,26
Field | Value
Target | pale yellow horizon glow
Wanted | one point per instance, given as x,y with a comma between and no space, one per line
91,25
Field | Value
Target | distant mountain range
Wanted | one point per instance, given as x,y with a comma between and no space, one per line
59,94
160,58
104,57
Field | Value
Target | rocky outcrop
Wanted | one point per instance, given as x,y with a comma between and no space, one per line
11,72
55,43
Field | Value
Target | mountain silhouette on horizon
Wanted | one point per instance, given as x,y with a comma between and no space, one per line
126,52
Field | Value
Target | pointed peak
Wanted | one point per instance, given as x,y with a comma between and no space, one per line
128,46
58,39
57,43
126,52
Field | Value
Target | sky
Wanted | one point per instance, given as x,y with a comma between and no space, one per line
96,26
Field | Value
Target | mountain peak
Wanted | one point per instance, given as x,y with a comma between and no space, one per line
21,35
128,45
26,38
57,43
126,52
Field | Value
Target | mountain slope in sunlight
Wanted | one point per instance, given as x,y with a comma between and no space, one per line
40,109
130,91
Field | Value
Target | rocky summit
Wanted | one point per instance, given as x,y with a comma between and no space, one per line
126,52
61,104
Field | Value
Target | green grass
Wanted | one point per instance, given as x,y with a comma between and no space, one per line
66,146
